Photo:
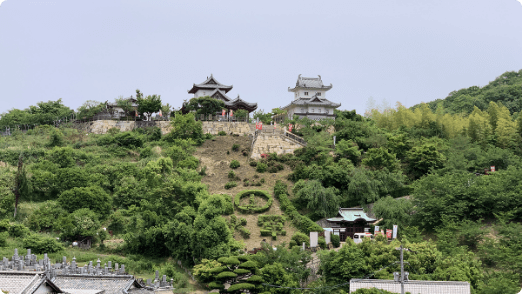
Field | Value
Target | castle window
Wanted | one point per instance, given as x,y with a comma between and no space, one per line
306,93
318,93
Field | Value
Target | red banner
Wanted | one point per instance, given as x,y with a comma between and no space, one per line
223,112
290,128
231,113
388,233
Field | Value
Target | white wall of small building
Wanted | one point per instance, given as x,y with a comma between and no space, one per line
203,92
309,93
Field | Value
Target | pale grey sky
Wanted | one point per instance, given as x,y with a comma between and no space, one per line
408,51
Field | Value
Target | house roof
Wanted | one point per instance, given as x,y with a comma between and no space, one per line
309,83
413,286
314,101
111,284
351,215
24,282
218,94
210,83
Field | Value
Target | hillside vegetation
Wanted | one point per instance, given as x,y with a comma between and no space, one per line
197,198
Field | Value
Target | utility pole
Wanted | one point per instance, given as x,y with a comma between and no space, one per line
402,270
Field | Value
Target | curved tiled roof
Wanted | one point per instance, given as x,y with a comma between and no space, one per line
314,101
239,103
23,282
310,83
210,83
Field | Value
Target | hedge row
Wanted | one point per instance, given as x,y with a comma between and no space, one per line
247,209
301,222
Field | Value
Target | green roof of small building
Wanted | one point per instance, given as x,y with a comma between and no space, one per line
351,215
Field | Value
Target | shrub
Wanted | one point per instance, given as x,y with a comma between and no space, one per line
230,185
262,181
235,147
251,208
241,271
246,183
222,133
234,164
273,169
203,171
4,225
283,233
145,152
18,230
244,232
231,175
274,236
336,240
3,239
265,232
208,136
243,221
322,242
252,163
261,167
301,222
299,238
45,217
94,198
292,244
42,244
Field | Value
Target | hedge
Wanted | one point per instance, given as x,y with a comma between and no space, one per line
247,209
241,286
301,222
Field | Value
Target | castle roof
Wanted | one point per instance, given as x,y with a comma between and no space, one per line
239,103
313,101
309,83
210,83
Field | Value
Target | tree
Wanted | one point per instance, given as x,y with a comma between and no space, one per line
393,212
149,104
423,158
321,201
205,105
186,127
379,158
125,104
347,149
21,186
90,108
94,198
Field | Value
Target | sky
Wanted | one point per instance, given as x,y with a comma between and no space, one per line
407,51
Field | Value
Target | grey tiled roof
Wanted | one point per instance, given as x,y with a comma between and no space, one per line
210,83
417,287
111,285
239,101
314,101
20,281
218,94
315,83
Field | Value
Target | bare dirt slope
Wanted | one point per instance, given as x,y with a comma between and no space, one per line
213,155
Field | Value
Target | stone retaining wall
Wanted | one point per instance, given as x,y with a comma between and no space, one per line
272,143
102,126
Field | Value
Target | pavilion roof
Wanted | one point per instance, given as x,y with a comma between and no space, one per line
210,83
351,215
314,101
239,103
310,83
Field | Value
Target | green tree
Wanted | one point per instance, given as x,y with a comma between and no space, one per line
94,198
149,104
321,201
379,158
347,149
205,105
89,108
125,104
393,212
423,158
186,127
